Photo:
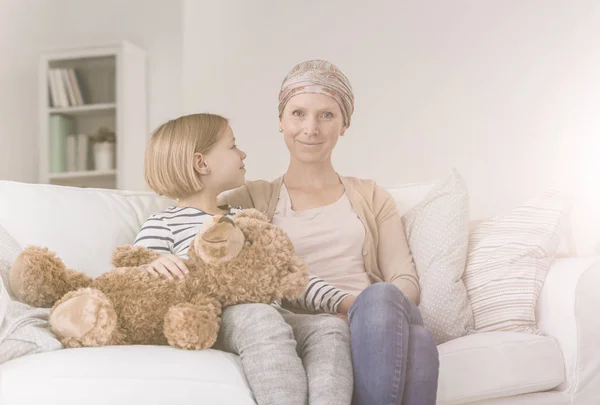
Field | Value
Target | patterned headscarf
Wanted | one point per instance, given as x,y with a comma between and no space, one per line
318,76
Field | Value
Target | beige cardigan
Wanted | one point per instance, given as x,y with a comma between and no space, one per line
386,252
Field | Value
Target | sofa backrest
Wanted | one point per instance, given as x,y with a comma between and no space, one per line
81,225
409,195
84,225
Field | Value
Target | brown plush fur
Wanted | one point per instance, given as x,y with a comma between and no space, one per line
247,260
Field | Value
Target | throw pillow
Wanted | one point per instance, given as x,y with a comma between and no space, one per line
508,259
9,250
437,231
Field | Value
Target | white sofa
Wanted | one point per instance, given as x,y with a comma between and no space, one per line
84,225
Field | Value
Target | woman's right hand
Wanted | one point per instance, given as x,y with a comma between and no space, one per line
167,266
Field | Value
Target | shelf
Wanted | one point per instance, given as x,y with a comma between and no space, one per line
83,109
82,174
112,80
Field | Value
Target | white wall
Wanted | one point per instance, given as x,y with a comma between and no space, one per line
507,92
29,26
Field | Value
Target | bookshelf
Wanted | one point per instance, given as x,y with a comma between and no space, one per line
84,91
83,109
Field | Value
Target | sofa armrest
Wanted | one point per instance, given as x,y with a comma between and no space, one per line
568,310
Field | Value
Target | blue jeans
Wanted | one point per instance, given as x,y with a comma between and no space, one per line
395,358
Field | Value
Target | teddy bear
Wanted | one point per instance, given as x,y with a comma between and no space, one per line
242,259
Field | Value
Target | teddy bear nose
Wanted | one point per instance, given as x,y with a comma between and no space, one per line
226,220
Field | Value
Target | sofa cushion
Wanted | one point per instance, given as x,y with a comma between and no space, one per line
437,230
125,375
81,225
536,398
509,257
496,365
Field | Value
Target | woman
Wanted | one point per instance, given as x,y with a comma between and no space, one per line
349,233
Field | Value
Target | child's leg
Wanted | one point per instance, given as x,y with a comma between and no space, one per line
324,345
266,346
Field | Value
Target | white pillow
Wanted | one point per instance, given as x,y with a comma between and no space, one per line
9,250
437,231
509,257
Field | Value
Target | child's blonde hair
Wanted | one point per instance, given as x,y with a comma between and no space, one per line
169,158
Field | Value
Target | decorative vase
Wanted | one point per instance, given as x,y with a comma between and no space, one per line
104,156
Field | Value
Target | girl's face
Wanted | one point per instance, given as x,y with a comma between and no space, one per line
312,124
222,166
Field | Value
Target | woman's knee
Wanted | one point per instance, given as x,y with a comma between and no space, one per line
424,343
382,297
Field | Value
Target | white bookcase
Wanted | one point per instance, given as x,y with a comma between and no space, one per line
112,79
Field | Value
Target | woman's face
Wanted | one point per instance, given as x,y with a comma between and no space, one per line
312,124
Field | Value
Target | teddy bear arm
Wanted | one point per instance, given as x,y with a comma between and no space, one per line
133,256
193,325
38,277
296,281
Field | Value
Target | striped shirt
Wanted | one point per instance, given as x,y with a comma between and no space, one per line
172,231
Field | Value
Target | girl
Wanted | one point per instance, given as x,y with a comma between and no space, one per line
287,358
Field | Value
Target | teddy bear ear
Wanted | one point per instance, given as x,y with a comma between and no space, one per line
252,213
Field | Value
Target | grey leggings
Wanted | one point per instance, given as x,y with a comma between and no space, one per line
290,358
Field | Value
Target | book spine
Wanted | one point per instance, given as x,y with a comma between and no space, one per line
64,74
83,152
71,153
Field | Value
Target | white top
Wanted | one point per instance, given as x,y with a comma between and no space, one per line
329,239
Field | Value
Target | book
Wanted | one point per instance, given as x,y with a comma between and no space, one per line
60,86
59,127
64,88
74,79
64,74
71,152
53,90
83,152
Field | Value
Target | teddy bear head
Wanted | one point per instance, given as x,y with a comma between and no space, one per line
221,241
247,259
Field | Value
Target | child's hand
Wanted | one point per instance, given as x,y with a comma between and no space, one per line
168,266
344,306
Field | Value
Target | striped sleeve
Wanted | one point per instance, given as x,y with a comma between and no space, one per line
319,297
155,235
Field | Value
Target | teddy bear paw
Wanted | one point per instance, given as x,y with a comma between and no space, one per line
191,327
83,318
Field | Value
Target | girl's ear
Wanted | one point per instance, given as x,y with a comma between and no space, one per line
344,128
200,165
